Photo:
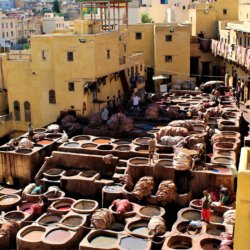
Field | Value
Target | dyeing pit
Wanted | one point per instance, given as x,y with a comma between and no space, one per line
10,191
120,142
84,206
182,227
222,160
89,146
113,189
103,241
224,146
227,123
191,215
105,147
53,173
131,243
221,170
118,227
58,236
71,172
33,234
63,205
215,230
139,227
39,130
53,136
210,244
180,242
138,161
196,204
14,215
123,148
88,173
165,163
52,195
150,211
8,200
6,149
72,221
45,142
216,218
167,150
24,151
143,150
72,145
143,141
153,131
49,219
81,138
102,141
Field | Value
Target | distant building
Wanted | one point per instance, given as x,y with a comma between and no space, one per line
7,4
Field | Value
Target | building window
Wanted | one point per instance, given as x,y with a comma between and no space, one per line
138,35
224,11
44,55
17,111
7,34
70,56
11,25
108,54
27,113
125,47
164,1
168,58
141,67
3,34
11,33
183,7
71,86
168,38
52,96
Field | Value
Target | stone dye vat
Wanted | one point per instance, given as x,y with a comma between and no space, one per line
62,206
9,201
149,211
84,206
49,219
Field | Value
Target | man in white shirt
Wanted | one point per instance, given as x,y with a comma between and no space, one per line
136,100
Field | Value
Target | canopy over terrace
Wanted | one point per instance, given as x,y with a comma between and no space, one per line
111,14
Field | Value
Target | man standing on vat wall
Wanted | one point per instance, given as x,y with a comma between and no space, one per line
206,202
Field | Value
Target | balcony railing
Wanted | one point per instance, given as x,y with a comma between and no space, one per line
19,56
5,118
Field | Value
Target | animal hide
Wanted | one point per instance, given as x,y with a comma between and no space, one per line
102,219
166,191
122,206
156,226
143,187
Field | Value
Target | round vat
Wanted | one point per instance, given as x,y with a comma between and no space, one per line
14,215
71,172
6,149
191,215
180,242
49,219
118,227
25,206
103,241
123,148
153,131
208,244
215,230
228,146
58,236
81,138
225,153
33,233
149,211
89,146
54,136
222,160
139,227
72,221
72,145
39,130
131,243
165,163
105,147
53,173
227,123
45,142
88,173
53,196
8,201
216,218
138,161
24,151
63,205
84,206
121,141
231,134
113,189
102,140
196,204
10,191
143,141
142,149
165,150
182,227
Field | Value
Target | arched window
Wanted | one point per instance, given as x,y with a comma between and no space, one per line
17,111
52,96
27,113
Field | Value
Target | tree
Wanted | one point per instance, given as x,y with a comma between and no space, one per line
145,18
56,6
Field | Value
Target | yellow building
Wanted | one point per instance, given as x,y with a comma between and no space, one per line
81,71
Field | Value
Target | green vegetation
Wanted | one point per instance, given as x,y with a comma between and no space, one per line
145,18
56,6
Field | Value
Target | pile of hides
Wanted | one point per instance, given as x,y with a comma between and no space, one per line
196,122
200,148
195,109
166,191
227,241
120,122
13,143
25,143
182,161
102,219
172,131
53,128
229,217
70,124
214,112
96,119
175,114
28,189
9,231
152,112
38,137
122,206
143,187
156,226
107,159
185,124
171,141
192,140
127,181
220,138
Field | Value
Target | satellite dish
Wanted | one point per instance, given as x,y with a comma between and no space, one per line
171,29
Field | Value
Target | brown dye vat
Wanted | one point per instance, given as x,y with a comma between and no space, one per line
14,215
182,227
113,189
24,151
191,215
88,173
224,145
165,163
39,130
71,144
53,136
54,171
44,142
180,242
58,236
118,227
223,160
224,153
142,141
152,131
33,236
123,148
227,123
6,149
8,191
81,138
85,205
210,244
105,147
167,150
8,199
120,142
215,230
71,172
131,243
138,161
50,219
144,151
150,211
89,146
72,221
216,218
195,203
52,195
102,141
103,241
